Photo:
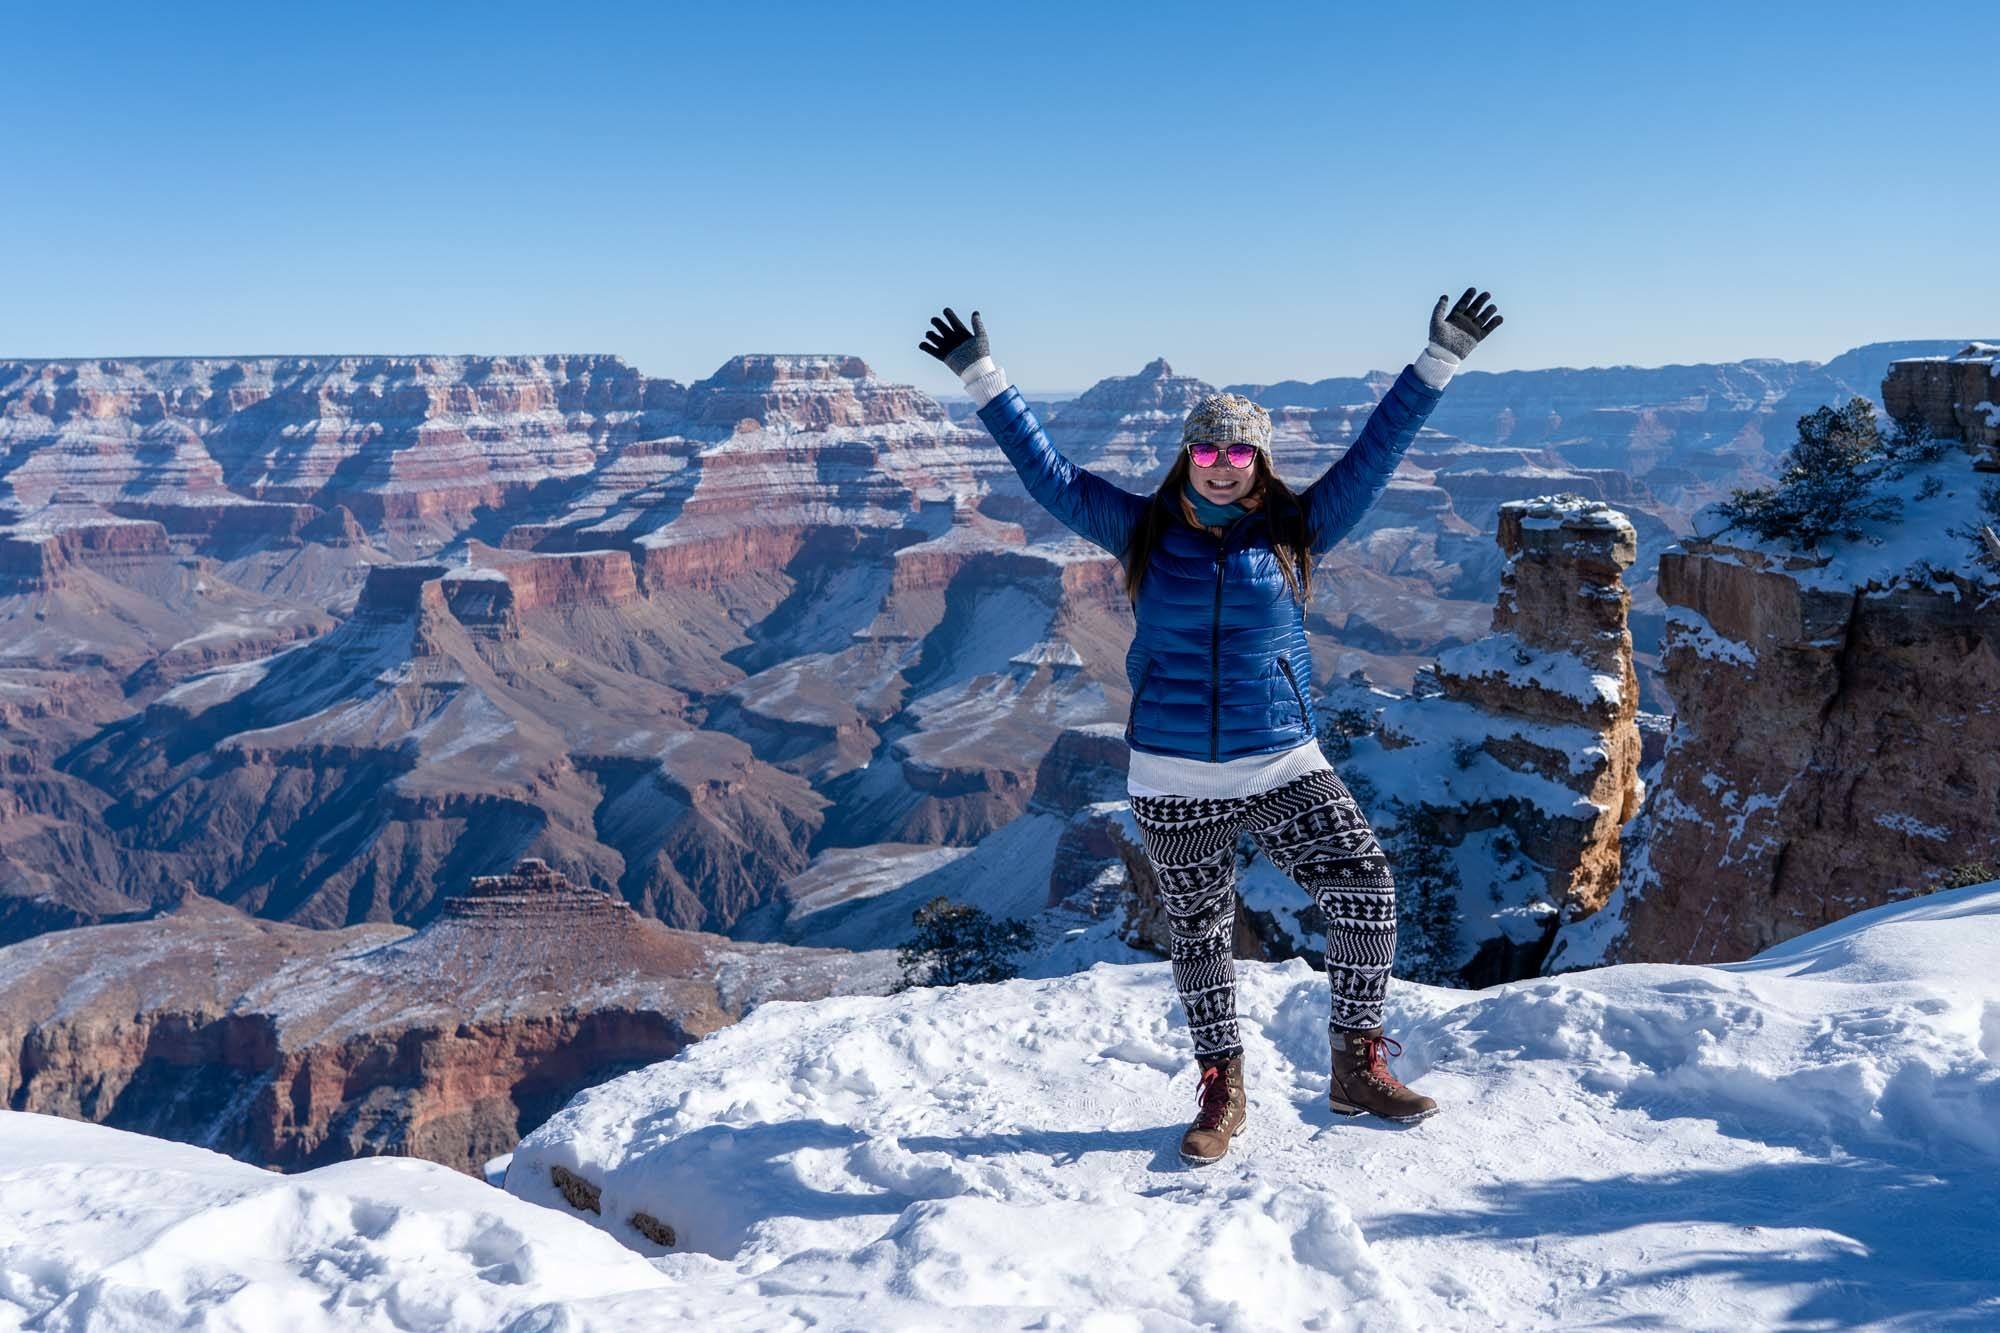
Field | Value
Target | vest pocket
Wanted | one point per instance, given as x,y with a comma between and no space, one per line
1132,714
1285,665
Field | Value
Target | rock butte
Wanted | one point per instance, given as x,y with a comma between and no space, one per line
292,1048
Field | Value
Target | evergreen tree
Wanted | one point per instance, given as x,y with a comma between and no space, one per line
1823,481
1427,890
1338,728
957,943
1910,441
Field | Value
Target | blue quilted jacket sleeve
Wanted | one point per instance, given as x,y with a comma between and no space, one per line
1339,499
1086,503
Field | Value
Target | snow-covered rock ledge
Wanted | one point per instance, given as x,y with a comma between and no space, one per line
1811,1137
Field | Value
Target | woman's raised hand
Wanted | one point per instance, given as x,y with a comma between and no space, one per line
954,344
1469,321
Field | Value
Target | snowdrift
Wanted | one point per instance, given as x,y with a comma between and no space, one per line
1809,1137
1809,1134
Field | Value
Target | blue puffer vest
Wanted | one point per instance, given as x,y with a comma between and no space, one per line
1219,665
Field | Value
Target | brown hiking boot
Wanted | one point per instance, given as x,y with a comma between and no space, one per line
1224,1106
1362,1083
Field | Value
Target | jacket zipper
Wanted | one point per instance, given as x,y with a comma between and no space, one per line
1215,639
1285,665
1215,656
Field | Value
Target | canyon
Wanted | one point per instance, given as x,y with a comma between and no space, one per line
730,677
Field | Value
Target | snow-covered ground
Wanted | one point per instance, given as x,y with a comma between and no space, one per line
1808,1139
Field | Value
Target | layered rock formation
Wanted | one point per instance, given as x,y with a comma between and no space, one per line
1838,718
292,1048
463,716
406,441
1956,396
1528,757
662,685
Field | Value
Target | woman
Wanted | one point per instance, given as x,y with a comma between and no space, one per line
1218,562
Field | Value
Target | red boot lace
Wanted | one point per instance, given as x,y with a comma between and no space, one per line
1213,1095
1379,1049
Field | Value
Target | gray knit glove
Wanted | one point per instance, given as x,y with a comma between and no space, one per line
1468,323
953,343
966,351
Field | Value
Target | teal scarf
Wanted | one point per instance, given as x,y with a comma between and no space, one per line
1208,511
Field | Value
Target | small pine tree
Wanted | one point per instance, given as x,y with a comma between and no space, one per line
957,943
1339,726
1911,441
1426,902
1823,482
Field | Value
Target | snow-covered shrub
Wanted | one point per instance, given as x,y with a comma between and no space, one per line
1823,482
957,943
1970,873
1911,441
1339,726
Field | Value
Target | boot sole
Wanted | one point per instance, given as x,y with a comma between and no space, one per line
1193,1159
1348,1109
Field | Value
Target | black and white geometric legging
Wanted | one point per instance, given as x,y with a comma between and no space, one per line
1313,830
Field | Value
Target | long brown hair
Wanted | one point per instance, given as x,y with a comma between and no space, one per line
1288,526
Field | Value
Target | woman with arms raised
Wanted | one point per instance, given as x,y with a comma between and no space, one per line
1218,563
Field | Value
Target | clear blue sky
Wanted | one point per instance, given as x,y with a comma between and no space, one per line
1277,194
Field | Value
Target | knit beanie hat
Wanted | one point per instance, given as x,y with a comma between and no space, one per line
1228,418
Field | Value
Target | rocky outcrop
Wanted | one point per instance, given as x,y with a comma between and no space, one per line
1527,754
1836,725
37,547
1128,425
292,1048
1833,750
803,392
1956,396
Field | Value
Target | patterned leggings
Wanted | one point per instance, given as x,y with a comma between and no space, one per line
1312,830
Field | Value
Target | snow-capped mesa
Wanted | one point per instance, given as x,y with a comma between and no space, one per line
1808,1138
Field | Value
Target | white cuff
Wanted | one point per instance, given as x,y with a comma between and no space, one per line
983,380
1435,365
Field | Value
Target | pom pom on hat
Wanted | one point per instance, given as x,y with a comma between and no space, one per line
1227,418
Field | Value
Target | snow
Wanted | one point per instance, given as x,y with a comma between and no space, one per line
1688,628
107,1231
1921,547
1810,1138
1436,727
1506,656
1910,824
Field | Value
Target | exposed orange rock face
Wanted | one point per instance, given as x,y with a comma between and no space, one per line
1838,710
1833,750
38,549
292,1048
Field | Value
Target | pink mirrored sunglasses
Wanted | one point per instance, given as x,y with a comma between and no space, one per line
1204,455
